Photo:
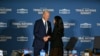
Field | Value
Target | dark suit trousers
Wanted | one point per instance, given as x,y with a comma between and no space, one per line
36,51
46,47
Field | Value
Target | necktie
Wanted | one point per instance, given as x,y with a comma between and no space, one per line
46,27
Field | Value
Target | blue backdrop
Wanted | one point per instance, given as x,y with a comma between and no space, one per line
81,19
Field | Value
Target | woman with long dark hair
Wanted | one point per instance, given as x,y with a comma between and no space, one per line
56,47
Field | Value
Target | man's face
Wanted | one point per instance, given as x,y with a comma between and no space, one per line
46,16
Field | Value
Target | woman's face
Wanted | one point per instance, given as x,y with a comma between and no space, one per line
54,21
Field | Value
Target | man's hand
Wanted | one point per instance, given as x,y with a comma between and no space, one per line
46,38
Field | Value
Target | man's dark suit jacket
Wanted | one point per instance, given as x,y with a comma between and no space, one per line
39,33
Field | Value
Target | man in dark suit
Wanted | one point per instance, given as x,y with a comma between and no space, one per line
42,32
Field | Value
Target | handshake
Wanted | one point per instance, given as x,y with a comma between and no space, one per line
45,38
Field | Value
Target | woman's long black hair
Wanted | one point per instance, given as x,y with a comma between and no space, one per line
59,24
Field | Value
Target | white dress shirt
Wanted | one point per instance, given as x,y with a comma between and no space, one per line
45,22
